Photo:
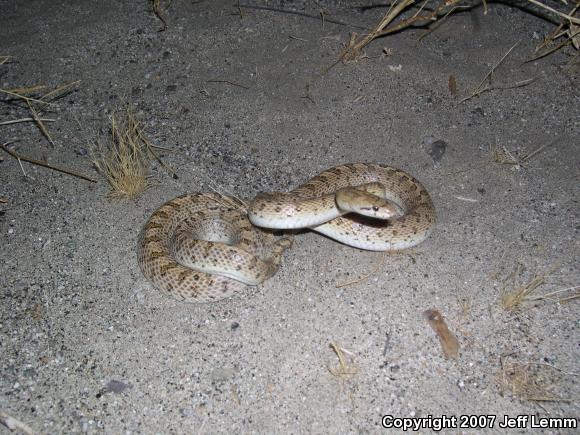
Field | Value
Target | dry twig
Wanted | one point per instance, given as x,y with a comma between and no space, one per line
156,7
21,158
14,424
38,105
228,82
344,368
16,121
320,16
488,77
362,278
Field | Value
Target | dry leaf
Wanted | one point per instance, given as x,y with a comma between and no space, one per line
448,341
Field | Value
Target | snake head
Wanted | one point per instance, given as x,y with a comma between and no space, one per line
367,204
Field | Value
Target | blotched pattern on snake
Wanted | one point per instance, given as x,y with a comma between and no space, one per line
206,246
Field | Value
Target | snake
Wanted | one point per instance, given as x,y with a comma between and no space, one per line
203,247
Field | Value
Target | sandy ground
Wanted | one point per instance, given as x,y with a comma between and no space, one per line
88,345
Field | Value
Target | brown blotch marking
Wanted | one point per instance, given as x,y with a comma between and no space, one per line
151,225
162,214
244,242
173,205
154,255
152,239
167,267
196,277
183,276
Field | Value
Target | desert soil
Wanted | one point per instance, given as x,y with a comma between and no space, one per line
247,104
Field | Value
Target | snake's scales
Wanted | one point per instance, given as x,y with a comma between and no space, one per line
202,247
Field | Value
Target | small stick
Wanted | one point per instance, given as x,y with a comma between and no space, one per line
343,368
167,167
157,12
23,97
554,11
556,48
497,65
478,89
12,423
302,14
297,38
56,93
362,278
39,123
519,84
46,165
464,198
16,121
438,24
555,292
22,169
150,146
228,82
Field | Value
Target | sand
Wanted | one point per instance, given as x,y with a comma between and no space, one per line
89,346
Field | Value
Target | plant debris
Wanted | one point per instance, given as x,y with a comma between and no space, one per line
344,368
433,16
449,343
21,159
36,105
531,381
512,300
124,161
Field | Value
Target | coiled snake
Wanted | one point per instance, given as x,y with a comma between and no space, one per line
204,247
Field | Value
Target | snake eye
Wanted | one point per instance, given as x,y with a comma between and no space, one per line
375,208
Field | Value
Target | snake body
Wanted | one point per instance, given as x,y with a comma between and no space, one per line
203,247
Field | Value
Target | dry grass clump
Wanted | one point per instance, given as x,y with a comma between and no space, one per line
501,155
512,300
124,160
531,381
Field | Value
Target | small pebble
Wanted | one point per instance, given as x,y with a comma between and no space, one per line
437,150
